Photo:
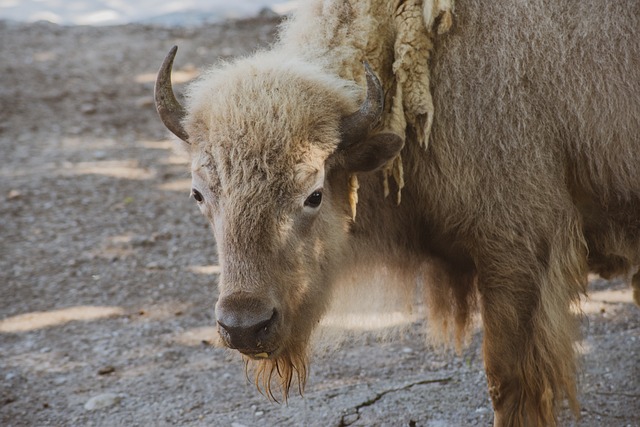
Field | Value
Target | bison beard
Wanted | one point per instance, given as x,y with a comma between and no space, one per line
292,363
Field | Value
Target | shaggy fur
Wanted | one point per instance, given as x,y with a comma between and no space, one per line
519,174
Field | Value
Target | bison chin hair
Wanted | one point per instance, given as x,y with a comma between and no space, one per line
274,377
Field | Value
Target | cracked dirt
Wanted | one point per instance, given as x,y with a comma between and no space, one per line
108,270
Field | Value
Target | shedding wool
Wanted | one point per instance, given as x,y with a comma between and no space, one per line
416,24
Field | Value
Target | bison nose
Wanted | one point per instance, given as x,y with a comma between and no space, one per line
246,323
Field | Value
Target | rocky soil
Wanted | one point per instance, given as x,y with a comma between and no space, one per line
108,270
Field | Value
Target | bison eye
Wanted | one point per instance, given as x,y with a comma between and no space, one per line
197,195
314,200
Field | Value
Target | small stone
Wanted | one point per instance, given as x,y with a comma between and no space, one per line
5,400
14,194
106,370
350,418
259,413
140,240
102,401
88,108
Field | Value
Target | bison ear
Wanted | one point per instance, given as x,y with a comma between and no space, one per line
372,153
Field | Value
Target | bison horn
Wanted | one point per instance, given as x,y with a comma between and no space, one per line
170,111
357,125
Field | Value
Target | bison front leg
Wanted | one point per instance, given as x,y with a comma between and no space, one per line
526,295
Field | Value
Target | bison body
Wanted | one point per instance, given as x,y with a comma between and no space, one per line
503,161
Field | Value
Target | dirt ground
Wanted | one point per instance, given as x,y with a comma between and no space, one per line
108,270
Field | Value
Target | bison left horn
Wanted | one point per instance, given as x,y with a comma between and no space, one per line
357,125
170,111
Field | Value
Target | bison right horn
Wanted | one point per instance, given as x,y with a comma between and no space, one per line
357,125
170,111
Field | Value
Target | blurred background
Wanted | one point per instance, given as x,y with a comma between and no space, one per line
115,12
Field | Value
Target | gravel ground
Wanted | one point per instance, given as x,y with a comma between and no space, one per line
107,269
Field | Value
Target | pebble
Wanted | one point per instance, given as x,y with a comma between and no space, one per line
88,108
350,419
102,401
106,370
14,194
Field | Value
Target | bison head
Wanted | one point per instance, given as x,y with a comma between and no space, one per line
273,144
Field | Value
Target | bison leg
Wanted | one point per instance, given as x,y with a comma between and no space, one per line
526,296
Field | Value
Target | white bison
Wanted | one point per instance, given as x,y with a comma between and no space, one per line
511,129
